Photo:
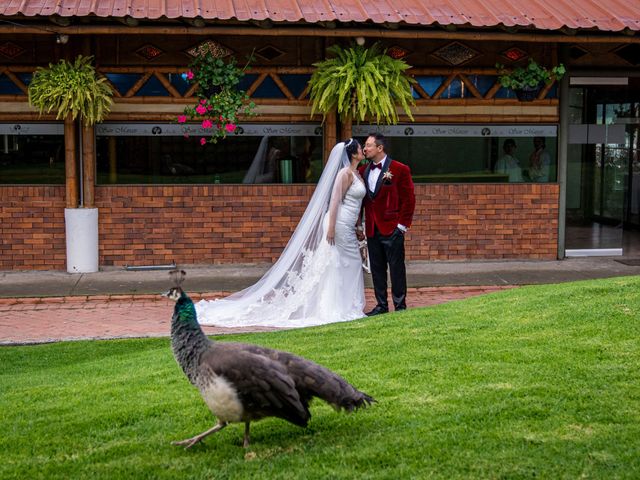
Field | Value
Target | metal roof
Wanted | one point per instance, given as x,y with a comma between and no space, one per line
603,15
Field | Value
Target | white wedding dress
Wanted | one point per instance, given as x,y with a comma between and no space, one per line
313,282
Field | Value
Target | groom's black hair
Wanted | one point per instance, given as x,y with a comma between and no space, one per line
380,139
351,147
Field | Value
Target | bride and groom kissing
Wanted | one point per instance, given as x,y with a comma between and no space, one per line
318,278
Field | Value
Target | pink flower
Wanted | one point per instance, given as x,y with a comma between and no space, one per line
182,118
201,110
203,141
230,127
202,101
190,75
209,107
207,123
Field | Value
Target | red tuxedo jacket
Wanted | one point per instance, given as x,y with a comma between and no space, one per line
393,200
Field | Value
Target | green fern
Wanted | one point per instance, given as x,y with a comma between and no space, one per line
71,89
361,83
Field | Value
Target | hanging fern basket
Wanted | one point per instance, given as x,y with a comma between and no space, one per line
527,93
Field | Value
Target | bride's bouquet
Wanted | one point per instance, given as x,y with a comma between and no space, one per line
364,254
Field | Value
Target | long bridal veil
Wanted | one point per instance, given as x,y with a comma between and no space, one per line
294,290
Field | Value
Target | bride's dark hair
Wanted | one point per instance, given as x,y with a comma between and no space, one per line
351,147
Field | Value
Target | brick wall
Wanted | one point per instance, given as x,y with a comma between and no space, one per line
197,224
154,225
32,228
484,221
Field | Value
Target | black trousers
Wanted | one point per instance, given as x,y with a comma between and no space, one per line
385,251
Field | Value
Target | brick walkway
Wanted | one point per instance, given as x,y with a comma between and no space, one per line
40,320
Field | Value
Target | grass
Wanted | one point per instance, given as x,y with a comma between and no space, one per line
537,382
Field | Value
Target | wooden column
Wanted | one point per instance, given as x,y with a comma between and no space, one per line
330,138
71,171
346,128
113,164
88,166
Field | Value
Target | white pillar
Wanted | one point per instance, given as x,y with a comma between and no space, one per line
81,228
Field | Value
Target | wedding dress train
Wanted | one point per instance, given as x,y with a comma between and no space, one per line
313,282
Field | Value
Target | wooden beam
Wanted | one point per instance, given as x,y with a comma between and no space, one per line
330,138
282,86
138,85
70,169
443,86
88,166
256,83
167,84
470,86
425,32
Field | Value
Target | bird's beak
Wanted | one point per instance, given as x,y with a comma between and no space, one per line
166,294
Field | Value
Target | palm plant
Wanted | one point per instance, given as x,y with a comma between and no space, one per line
361,83
71,89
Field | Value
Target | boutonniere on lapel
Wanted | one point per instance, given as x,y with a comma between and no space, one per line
386,177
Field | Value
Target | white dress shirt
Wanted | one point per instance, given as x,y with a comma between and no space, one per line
374,173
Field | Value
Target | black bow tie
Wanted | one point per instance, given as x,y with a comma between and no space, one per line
376,165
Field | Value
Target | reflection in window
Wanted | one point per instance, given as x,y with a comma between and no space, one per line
234,160
32,159
477,159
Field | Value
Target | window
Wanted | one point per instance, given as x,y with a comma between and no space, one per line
32,153
472,153
159,154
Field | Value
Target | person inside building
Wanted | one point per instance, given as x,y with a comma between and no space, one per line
539,161
508,164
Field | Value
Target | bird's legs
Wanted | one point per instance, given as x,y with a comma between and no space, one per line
245,443
190,442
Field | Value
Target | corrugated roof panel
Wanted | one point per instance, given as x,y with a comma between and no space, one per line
413,12
353,11
605,15
316,11
250,10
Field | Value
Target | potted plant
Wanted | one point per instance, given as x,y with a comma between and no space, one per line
74,90
527,81
361,83
71,89
219,100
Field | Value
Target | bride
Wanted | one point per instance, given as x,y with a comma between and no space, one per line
318,278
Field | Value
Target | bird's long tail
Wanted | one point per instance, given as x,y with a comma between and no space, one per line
318,381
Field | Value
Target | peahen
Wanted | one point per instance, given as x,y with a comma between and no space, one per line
241,382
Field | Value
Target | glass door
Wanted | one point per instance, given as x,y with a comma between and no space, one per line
603,171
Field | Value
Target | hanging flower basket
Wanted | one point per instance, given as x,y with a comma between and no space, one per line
220,102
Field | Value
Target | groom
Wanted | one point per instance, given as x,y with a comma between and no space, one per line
388,206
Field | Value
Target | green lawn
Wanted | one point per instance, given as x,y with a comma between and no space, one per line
535,382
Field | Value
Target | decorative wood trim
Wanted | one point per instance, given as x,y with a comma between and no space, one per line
15,80
256,83
426,32
166,84
138,85
421,91
469,85
492,91
443,86
282,86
